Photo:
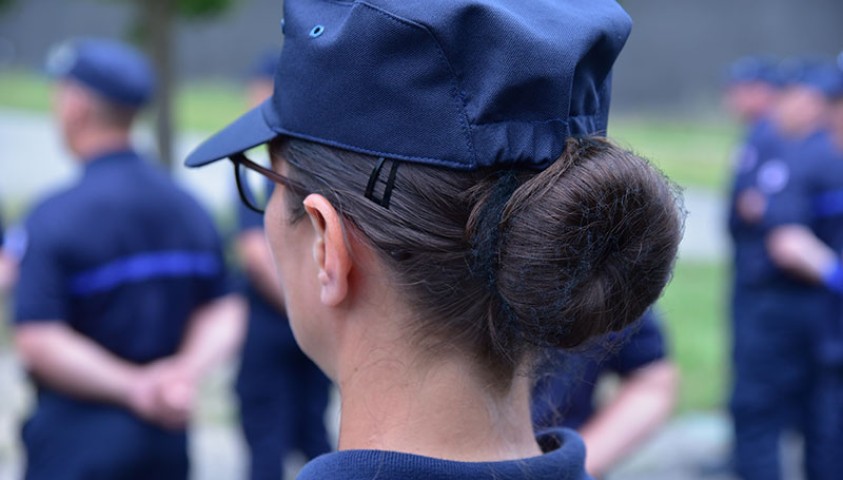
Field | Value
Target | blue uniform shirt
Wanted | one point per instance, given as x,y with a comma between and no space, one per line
761,140
565,458
752,265
123,257
565,395
784,179
768,164
812,194
813,198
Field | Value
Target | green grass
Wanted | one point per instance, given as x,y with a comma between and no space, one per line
692,152
201,106
208,106
24,90
694,309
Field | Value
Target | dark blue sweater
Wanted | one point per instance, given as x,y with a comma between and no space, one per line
564,459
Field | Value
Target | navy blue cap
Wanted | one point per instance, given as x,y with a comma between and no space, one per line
827,78
462,84
753,69
114,70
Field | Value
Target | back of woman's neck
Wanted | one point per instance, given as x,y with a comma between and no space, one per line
441,411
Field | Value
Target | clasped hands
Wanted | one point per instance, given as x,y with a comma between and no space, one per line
164,393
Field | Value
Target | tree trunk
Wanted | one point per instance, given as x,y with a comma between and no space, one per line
158,33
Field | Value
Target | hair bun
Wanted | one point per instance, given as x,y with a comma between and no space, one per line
588,244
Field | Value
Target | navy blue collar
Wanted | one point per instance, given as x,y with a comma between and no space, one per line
564,458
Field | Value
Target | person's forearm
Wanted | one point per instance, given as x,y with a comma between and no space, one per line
70,363
8,272
643,403
795,249
214,334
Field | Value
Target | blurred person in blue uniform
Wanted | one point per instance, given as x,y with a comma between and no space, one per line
777,312
445,208
122,303
753,86
805,223
283,395
566,394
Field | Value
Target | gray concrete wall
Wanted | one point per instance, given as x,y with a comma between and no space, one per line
673,61
679,48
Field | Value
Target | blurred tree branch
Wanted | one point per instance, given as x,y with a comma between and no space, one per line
4,4
154,30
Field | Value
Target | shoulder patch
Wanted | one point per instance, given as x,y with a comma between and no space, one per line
773,176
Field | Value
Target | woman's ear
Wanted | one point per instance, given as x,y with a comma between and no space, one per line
330,251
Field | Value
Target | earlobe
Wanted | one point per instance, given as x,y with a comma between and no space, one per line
330,251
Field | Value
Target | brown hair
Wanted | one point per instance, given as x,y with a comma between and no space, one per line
502,263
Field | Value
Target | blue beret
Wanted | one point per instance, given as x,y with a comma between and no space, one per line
114,70
462,84
827,78
755,69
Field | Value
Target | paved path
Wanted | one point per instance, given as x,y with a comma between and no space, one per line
34,161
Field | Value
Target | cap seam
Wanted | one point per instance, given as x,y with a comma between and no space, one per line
552,120
456,94
366,151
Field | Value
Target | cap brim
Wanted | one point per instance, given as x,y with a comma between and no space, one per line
250,130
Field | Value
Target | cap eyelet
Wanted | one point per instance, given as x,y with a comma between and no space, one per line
317,31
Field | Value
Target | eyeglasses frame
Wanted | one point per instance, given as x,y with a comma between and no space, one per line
240,158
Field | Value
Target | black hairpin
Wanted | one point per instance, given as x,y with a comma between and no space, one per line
390,182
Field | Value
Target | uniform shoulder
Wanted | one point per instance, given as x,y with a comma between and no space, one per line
50,212
174,196
192,214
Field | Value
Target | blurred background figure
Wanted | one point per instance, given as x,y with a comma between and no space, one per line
8,266
779,302
752,88
122,303
283,395
829,396
644,399
805,223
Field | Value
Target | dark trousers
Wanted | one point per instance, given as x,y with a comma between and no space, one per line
71,440
284,414
824,458
775,381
